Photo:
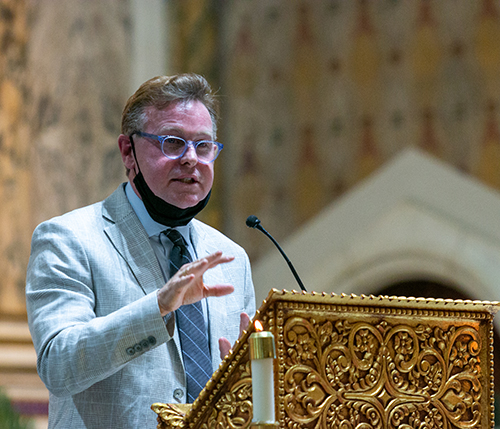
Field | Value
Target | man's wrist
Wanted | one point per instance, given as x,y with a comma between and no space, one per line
168,318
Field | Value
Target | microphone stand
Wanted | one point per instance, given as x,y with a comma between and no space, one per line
254,222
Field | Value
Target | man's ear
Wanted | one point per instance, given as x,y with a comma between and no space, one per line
126,151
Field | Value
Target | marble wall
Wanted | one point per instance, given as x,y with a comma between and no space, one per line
15,141
79,73
64,75
321,94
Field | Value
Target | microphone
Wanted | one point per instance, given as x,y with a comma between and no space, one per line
254,222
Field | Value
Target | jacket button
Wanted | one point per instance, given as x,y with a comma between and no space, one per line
145,344
130,351
179,394
152,340
138,348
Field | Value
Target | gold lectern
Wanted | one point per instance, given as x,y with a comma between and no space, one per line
360,362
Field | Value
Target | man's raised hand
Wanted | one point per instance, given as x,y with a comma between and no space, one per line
186,285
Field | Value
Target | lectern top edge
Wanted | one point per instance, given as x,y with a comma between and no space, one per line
381,301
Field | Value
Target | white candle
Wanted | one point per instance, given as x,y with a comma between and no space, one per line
262,354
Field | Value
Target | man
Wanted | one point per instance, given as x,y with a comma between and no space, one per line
106,297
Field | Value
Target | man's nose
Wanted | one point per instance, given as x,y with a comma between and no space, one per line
190,155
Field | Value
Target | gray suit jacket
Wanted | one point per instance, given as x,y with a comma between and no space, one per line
103,349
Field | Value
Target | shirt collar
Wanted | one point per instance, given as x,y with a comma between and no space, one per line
152,227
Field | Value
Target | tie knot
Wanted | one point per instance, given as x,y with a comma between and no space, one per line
175,237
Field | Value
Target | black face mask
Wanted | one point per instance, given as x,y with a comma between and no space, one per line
161,211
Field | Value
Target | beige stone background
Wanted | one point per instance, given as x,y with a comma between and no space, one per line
317,96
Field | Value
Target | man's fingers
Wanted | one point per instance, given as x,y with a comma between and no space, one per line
217,258
218,290
186,286
224,347
244,321
201,265
224,344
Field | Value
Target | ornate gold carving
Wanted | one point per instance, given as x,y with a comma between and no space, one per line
171,416
234,408
352,362
344,374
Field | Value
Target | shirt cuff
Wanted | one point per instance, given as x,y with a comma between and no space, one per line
169,320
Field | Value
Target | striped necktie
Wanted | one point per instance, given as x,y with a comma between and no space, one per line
191,325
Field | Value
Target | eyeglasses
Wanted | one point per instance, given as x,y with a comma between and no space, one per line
174,147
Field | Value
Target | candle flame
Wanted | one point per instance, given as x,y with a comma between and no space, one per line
258,326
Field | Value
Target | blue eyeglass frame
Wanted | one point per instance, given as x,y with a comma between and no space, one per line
161,140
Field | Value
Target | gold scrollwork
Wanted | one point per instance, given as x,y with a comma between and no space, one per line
170,416
361,375
234,408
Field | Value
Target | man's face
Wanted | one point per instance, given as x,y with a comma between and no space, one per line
181,182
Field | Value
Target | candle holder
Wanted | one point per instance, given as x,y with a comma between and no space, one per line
262,355
262,345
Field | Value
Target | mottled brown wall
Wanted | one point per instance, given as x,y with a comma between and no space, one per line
321,94
64,78
15,177
79,65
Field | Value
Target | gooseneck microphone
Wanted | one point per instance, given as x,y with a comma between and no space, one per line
254,222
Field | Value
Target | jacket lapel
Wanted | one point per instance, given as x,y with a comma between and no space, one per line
130,240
